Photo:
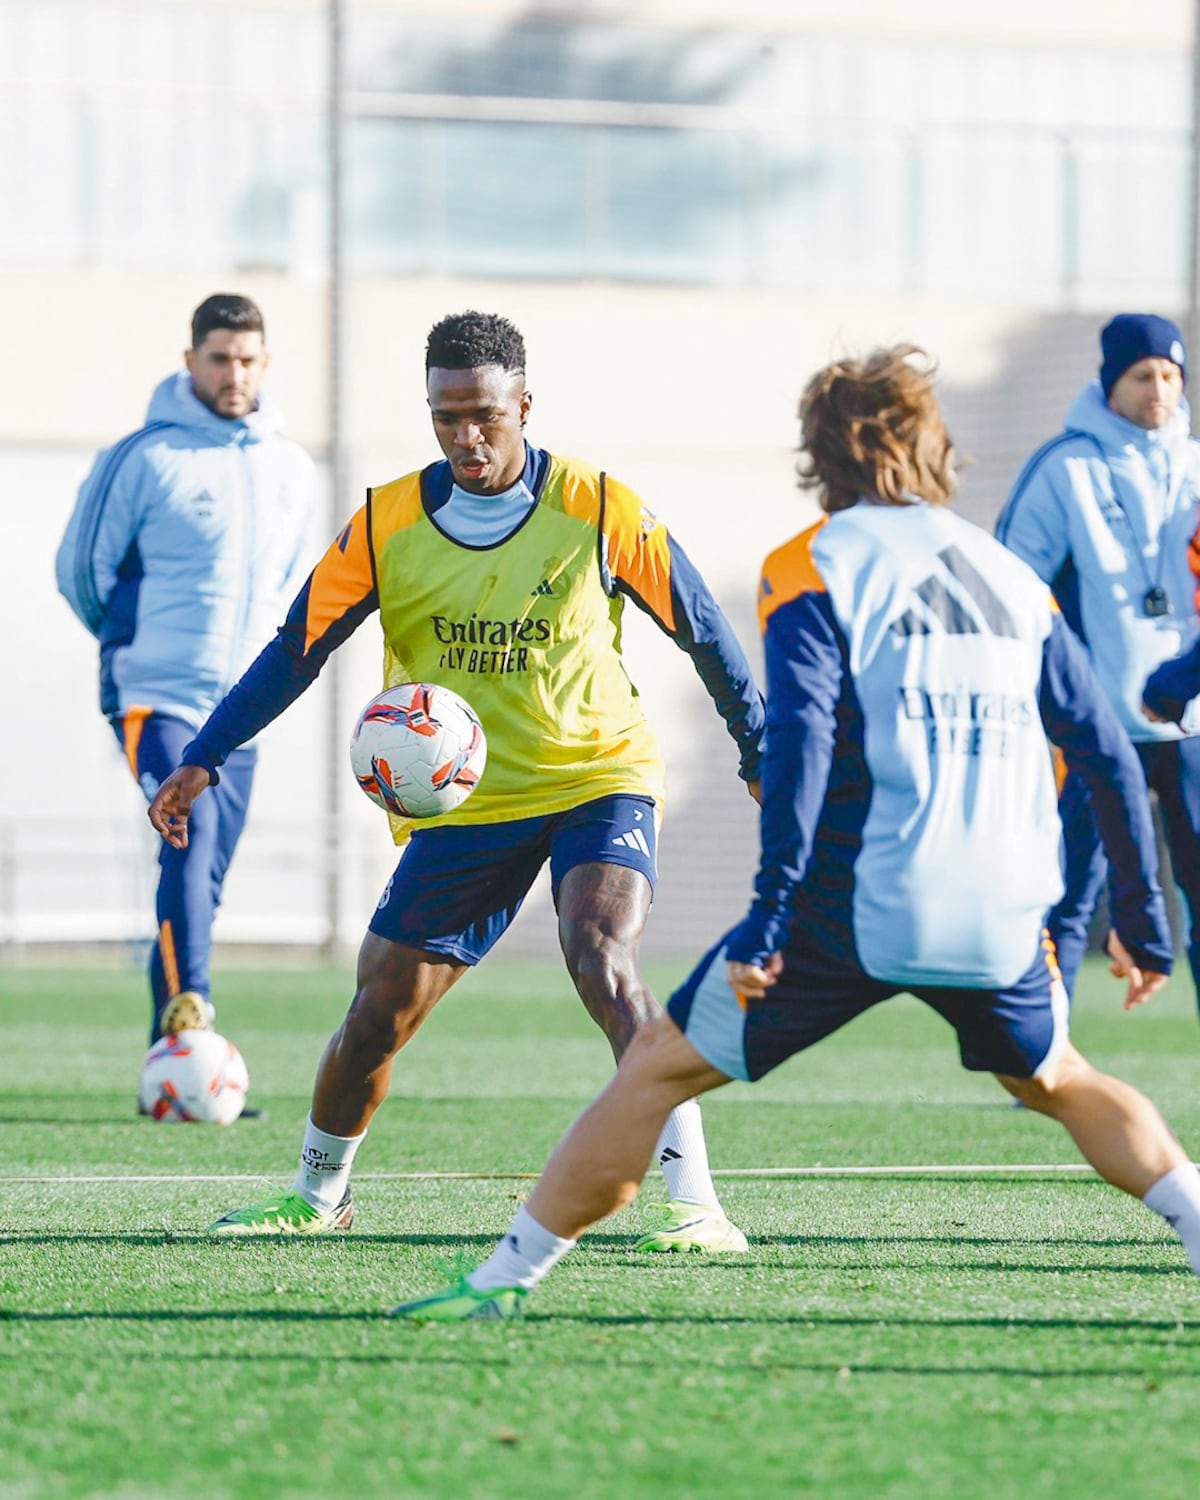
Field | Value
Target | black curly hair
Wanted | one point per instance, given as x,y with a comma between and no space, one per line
468,340
225,310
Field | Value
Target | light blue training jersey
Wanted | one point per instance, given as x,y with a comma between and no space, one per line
910,812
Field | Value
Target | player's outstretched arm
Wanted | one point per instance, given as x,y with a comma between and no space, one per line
804,684
1142,983
647,565
337,596
172,805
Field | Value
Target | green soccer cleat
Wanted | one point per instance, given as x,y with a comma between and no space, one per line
678,1227
461,1301
286,1213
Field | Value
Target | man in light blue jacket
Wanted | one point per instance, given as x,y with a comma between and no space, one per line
181,557
1104,513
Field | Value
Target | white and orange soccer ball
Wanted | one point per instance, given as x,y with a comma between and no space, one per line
418,750
193,1077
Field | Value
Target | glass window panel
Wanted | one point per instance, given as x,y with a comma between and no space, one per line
993,215
42,179
386,226
675,205
840,211
515,200
141,133
283,164
143,172
1132,230
193,182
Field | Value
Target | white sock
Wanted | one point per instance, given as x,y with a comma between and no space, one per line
683,1156
1177,1198
324,1173
522,1257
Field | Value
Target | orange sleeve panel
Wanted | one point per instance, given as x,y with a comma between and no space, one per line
133,721
343,578
1194,563
578,486
639,551
789,572
1060,769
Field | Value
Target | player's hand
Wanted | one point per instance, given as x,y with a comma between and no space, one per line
1142,983
752,981
755,790
1148,713
172,804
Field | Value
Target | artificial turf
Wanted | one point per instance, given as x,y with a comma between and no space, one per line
928,1334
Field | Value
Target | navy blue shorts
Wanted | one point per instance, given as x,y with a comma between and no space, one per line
1016,1031
457,889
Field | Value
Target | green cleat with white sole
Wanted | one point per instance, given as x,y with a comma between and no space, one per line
678,1228
460,1302
285,1213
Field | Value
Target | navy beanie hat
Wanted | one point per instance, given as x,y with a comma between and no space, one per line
1133,336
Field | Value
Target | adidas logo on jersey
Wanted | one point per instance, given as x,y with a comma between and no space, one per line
545,588
940,606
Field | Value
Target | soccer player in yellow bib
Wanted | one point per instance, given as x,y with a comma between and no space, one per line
500,572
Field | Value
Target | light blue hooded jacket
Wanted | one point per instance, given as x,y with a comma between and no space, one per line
183,551
1104,514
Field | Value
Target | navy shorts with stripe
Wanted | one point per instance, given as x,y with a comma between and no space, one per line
1014,1031
457,888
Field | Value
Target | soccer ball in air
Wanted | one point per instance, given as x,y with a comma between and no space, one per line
418,750
193,1077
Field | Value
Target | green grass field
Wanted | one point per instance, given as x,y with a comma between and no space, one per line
925,1334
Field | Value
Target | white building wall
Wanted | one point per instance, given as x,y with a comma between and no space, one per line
686,392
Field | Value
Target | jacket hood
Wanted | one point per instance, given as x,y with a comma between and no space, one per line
1091,413
174,401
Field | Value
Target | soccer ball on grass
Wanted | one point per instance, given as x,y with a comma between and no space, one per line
193,1077
418,750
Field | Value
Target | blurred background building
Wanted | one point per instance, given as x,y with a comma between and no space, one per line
686,205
